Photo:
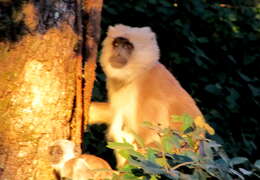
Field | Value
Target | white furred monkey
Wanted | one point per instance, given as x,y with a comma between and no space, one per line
139,87
69,163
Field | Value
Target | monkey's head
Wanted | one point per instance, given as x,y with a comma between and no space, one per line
61,151
128,51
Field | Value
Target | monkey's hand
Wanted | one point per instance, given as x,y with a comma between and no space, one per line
100,112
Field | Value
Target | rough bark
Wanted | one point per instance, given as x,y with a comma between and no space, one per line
91,38
37,88
77,122
93,9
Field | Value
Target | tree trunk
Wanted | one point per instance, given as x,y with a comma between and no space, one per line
37,84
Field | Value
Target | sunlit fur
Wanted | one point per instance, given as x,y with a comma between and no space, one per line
73,165
142,90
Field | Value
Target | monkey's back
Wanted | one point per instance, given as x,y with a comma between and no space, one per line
95,162
88,166
162,96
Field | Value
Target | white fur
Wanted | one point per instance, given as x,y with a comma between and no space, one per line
145,46
144,56
123,102
124,106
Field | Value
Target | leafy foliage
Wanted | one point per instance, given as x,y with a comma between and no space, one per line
212,48
181,155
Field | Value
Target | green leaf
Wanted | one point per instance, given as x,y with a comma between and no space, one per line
211,169
232,98
257,164
188,122
138,139
175,140
178,22
161,162
199,174
124,153
203,39
213,89
237,160
166,131
167,144
221,163
165,3
244,77
136,154
237,173
127,168
245,172
153,177
153,1
214,145
110,10
129,177
148,166
206,148
147,124
255,91
151,154
223,155
175,159
118,146
185,119
232,17
176,118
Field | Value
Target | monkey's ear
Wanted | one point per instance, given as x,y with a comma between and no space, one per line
111,32
111,29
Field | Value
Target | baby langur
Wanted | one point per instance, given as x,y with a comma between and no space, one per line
68,163
139,87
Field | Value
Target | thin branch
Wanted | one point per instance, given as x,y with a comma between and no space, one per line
183,164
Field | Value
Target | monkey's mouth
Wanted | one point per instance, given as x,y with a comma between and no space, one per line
117,61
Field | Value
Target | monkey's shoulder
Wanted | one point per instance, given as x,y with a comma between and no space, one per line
159,81
158,88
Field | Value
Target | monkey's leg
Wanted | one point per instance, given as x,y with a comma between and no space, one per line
100,112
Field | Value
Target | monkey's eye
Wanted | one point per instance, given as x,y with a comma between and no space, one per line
115,44
55,150
128,46
120,41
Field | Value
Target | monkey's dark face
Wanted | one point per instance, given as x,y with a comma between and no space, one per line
122,50
55,154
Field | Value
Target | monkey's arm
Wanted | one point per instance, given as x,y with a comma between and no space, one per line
100,112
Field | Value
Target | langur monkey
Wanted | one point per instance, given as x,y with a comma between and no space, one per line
69,163
139,87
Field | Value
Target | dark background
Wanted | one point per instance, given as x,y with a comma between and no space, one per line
213,48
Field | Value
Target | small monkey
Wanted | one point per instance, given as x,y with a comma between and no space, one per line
69,163
139,87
